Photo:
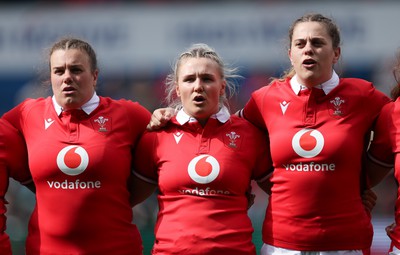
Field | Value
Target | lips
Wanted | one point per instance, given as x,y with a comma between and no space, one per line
309,62
69,90
199,99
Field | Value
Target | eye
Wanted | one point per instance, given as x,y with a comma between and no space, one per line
76,70
318,43
58,71
299,44
207,78
188,79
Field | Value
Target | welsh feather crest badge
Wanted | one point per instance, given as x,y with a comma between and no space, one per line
102,124
337,107
232,140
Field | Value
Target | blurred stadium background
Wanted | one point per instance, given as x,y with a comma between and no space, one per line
136,42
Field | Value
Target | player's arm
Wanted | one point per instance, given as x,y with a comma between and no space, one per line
140,190
378,160
144,172
16,157
376,170
265,184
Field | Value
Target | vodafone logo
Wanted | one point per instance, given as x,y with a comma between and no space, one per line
203,169
72,160
308,143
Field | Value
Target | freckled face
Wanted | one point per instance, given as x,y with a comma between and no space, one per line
72,79
312,54
200,85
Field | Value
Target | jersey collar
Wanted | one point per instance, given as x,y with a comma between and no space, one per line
326,86
87,108
222,116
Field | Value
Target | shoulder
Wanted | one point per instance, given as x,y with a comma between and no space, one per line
246,126
272,85
149,137
275,87
35,102
127,106
119,102
10,136
393,108
152,141
357,84
6,130
356,81
363,88
27,106
12,145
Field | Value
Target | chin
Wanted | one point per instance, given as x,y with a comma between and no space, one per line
70,105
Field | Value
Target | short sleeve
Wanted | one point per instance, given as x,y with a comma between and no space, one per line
382,147
252,112
144,158
13,153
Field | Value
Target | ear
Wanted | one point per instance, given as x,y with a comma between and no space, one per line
222,91
336,53
178,93
290,56
95,77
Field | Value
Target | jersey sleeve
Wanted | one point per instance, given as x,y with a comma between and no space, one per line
383,144
144,165
263,166
138,116
252,109
13,153
15,115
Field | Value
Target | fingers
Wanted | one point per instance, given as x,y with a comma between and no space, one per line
369,205
155,122
369,199
370,193
389,229
160,118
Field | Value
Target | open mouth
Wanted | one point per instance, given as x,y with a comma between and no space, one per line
69,90
309,62
199,99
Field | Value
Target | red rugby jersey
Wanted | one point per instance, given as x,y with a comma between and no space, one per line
80,164
390,125
14,164
316,147
202,175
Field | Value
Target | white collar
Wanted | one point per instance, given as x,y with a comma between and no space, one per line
223,116
87,108
327,86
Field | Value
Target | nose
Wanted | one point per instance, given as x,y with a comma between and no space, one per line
308,49
67,77
198,85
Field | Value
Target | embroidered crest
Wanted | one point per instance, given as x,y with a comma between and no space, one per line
337,108
102,124
233,139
